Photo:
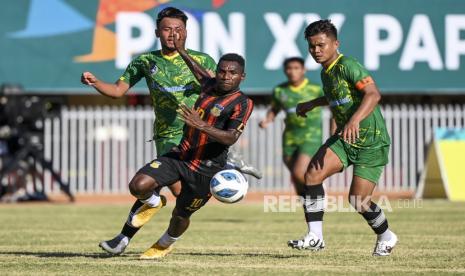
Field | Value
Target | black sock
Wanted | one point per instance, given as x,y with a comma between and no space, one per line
314,200
375,218
129,230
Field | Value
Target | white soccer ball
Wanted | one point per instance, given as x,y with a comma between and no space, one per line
229,186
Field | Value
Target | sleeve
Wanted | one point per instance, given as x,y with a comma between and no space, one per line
357,75
209,64
240,115
134,72
275,100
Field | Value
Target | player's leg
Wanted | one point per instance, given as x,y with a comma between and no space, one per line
298,171
145,188
235,161
361,190
327,161
141,213
194,195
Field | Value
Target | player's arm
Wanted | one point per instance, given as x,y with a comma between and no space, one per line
371,98
192,119
114,90
303,108
272,111
270,116
200,73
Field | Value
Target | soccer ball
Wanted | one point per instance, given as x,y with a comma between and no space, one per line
229,186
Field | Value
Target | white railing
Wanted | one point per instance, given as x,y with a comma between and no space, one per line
98,150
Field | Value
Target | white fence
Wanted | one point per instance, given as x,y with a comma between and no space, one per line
98,150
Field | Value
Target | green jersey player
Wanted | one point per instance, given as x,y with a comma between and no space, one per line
301,136
171,84
361,139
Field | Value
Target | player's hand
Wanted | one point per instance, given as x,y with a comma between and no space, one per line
191,117
179,41
351,131
263,124
88,78
303,108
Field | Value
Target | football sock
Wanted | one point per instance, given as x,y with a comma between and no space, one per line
129,230
376,219
314,201
316,227
153,201
385,236
166,240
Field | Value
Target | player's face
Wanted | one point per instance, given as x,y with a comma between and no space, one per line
229,75
294,71
166,31
323,48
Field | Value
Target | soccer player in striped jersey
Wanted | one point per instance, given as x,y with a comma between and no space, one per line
361,139
171,84
215,122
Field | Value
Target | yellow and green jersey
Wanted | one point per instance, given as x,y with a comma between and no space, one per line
170,83
286,97
342,82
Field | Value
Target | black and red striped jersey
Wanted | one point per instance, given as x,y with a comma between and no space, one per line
201,153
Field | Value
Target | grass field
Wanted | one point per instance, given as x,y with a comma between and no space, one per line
228,239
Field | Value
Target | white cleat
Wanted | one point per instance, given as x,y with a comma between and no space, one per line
115,246
308,242
384,248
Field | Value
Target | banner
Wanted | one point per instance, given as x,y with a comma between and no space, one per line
443,174
414,46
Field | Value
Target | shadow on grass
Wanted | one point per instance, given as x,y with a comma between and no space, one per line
63,254
219,254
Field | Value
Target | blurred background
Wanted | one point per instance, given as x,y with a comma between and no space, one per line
57,135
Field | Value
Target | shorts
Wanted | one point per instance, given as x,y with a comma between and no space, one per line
309,148
295,143
164,145
368,163
195,187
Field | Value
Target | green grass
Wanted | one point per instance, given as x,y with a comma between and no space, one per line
228,239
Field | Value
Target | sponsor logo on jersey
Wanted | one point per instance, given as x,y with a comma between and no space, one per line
216,110
155,164
339,102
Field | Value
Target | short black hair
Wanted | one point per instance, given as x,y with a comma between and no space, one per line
171,12
293,59
321,26
234,57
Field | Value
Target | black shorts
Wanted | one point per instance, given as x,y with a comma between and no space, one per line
195,191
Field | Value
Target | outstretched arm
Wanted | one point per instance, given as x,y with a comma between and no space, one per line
200,73
114,90
303,108
270,115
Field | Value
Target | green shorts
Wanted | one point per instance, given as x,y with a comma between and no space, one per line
295,144
164,145
368,163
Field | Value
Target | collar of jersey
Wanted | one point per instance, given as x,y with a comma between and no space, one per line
298,87
169,57
333,63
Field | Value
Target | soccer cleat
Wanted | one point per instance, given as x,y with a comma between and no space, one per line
308,242
144,213
115,246
156,252
384,248
236,161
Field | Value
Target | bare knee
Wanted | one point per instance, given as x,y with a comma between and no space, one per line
313,176
142,186
298,175
360,203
